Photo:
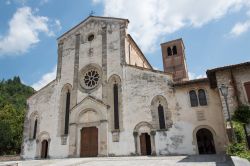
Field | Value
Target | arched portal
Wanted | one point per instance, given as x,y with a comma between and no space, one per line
145,143
205,141
44,149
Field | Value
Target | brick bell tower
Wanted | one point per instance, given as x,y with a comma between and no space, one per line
174,61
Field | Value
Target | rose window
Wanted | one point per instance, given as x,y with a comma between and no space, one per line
91,78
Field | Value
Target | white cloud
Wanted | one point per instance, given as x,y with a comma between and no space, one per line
151,20
43,2
24,29
22,2
195,76
46,78
240,28
8,2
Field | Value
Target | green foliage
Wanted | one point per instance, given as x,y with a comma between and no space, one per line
242,114
235,148
239,132
239,148
13,95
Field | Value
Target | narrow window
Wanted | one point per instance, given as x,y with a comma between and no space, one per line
174,50
193,98
161,117
169,51
35,128
116,106
247,88
66,127
202,97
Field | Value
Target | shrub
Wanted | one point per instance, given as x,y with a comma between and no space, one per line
239,148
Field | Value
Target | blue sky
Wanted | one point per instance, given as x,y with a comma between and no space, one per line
215,32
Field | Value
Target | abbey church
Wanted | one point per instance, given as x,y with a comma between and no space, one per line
107,100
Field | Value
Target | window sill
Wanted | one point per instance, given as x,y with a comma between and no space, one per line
32,139
162,130
115,131
200,106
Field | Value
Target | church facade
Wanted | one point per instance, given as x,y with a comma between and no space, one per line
107,100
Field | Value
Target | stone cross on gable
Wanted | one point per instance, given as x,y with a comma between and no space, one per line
91,13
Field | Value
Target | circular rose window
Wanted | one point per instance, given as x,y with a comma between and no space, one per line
90,77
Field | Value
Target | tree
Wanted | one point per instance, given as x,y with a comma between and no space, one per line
242,115
13,96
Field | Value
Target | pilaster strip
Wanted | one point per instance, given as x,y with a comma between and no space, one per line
122,43
59,60
104,64
76,70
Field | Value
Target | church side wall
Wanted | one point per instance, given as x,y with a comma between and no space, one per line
139,88
43,106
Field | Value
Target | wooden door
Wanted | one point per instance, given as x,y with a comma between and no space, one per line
44,149
89,142
143,144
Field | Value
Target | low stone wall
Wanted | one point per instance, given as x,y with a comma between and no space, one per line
10,158
240,161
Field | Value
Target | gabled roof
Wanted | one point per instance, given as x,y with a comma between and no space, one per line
189,82
89,97
211,72
92,17
172,41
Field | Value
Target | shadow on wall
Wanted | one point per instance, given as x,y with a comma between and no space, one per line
220,160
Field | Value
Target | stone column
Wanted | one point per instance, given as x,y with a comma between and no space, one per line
136,143
72,140
152,135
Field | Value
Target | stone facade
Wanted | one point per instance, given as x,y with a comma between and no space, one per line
234,77
104,81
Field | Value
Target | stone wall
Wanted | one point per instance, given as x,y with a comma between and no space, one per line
234,79
188,120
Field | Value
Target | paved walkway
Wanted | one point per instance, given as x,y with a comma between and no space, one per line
206,160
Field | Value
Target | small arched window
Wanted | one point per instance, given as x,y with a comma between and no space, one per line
35,129
66,127
161,117
116,106
202,97
169,51
174,50
193,98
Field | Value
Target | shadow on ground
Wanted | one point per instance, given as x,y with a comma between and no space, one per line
220,160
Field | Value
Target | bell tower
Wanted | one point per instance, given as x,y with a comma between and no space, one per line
174,61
